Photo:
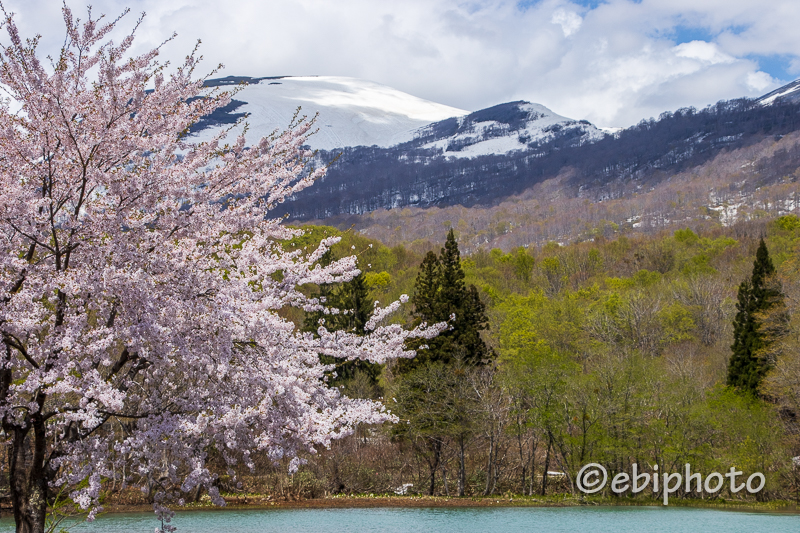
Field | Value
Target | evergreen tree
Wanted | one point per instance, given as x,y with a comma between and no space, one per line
353,297
439,294
426,288
434,389
756,296
355,309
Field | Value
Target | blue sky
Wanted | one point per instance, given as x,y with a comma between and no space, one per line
613,62
776,65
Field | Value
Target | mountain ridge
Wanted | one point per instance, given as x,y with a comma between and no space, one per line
487,156
787,93
420,173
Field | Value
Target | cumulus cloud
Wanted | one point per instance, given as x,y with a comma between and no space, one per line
614,63
569,21
705,52
759,81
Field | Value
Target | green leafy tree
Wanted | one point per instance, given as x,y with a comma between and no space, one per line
441,295
437,404
756,296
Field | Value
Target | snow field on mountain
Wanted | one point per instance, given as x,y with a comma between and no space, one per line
492,137
352,112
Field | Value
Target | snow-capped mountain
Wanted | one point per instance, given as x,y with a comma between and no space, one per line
388,149
469,159
501,129
352,112
489,155
393,149
355,112
788,93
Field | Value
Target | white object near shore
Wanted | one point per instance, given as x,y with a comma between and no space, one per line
403,489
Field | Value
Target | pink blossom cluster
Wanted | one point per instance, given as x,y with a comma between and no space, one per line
141,276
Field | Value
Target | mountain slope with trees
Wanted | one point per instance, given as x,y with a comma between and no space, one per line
422,173
748,183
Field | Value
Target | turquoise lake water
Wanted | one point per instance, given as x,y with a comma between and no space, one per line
545,520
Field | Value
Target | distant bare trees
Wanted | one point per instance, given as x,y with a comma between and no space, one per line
742,184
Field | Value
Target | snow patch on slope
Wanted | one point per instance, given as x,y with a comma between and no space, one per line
790,91
479,136
497,145
352,112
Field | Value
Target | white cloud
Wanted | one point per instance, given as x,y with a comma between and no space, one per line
613,64
568,20
759,81
703,51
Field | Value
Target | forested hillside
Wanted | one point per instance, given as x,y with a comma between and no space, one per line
614,351
741,184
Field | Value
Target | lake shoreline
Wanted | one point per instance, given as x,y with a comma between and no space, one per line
260,502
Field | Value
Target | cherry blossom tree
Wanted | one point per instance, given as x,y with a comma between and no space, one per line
141,278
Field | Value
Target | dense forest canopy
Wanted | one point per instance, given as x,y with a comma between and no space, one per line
615,351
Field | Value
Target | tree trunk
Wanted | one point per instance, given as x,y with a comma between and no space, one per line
533,465
27,478
462,467
197,493
495,462
489,464
546,464
433,462
337,486
522,459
